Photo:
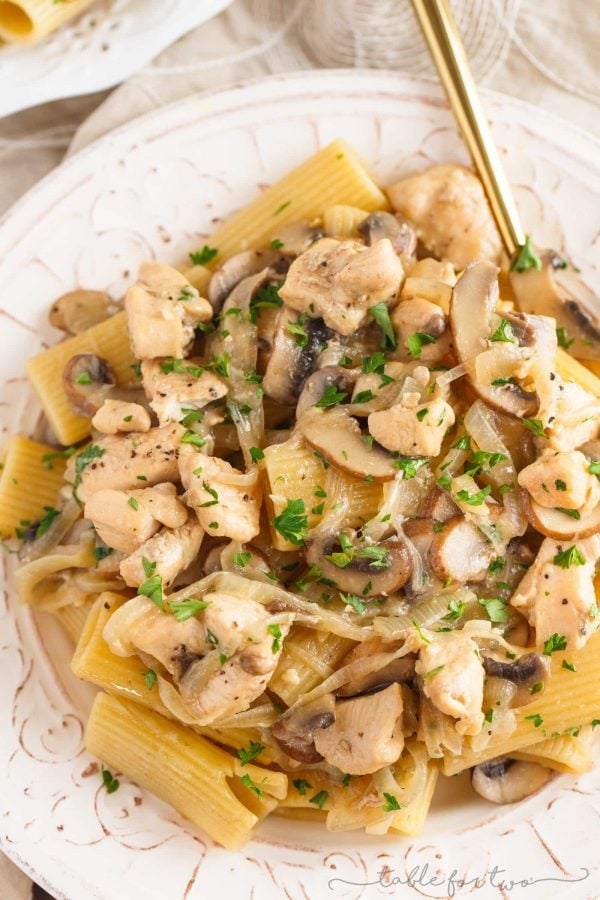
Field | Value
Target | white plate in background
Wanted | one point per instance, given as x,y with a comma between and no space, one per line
98,49
155,188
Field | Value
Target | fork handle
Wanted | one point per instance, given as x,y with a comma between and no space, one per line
440,31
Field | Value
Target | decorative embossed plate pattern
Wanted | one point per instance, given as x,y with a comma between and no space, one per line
106,44
155,189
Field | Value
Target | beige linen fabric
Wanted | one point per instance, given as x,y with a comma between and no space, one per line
545,55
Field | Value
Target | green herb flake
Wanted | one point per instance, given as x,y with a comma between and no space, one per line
185,609
48,458
569,666
292,523
132,502
101,553
503,332
254,750
535,426
153,589
203,256
111,784
381,315
320,799
555,642
355,602
331,397
247,781
433,672
525,258
391,804
150,678
302,786
275,630
416,342
496,609
570,557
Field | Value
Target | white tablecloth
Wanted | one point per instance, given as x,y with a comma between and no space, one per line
545,53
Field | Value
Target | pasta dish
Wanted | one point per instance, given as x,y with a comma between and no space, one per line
321,508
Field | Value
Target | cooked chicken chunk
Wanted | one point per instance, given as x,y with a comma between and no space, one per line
116,416
557,593
126,519
173,392
128,461
412,430
413,318
171,550
341,280
367,732
558,479
239,629
162,309
448,207
453,676
577,417
227,501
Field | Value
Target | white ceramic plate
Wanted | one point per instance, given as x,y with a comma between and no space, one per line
106,44
155,189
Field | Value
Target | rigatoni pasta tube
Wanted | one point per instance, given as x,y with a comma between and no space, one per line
26,485
181,768
569,700
564,753
27,21
335,174
108,340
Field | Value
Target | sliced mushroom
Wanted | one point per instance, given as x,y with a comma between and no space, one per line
474,299
295,733
338,437
505,780
558,524
592,450
552,291
317,383
421,532
297,237
524,673
79,310
363,575
399,670
439,505
87,381
290,363
460,551
381,224
241,266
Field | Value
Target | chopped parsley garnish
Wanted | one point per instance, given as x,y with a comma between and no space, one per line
212,493
133,503
594,468
254,750
381,315
504,332
537,687
101,553
153,589
201,257
572,513
535,426
185,609
275,630
501,382
445,482
456,609
281,208
83,378
434,672
320,799
477,461
525,258
302,785
420,632
247,781
242,559
496,565
58,454
178,367
191,416
495,608
266,297
563,339
375,363
355,602
422,413
560,485
298,330
50,514
476,499
331,397
416,341
111,784
555,643
409,465
220,364
391,804
323,459
191,437
82,461
276,244
463,443
150,678
363,397
256,454
535,718
570,557
292,523
568,665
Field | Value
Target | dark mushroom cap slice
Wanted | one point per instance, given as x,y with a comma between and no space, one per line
557,524
554,291
363,576
396,228
87,382
474,299
317,383
238,267
291,363
505,780
297,237
339,438
460,551
439,505
529,669
295,731
399,670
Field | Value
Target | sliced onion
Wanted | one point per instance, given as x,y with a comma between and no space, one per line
59,527
480,425
417,580
446,378
426,613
